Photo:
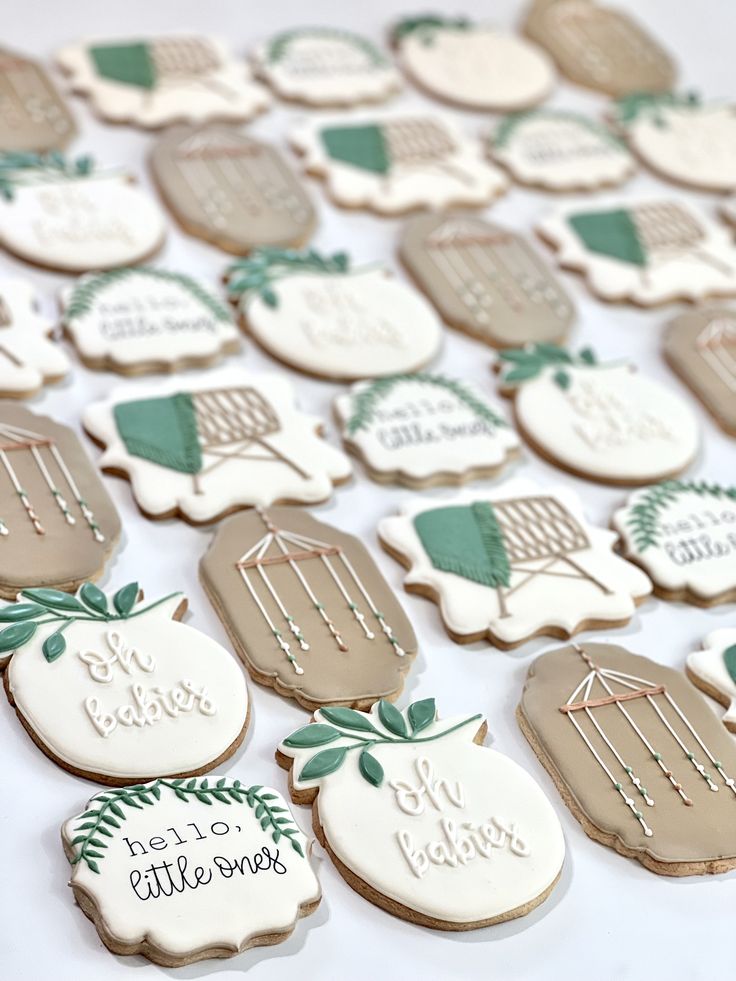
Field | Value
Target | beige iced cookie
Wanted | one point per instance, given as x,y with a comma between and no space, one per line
713,670
421,819
513,563
29,358
422,430
700,345
307,609
600,47
33,116
231,189
396,163
325,66
637,755
58,527
485,280
153,82
139,319
185,870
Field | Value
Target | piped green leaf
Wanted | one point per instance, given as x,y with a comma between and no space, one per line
124,600
370,768
392,718
312,735
323,763
54,599
54,646
14,636
94,598
422,714
20,611
347,718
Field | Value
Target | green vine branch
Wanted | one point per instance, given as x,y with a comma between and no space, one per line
526,363
510,123
643,518
650,105
256,274
22,168
427,26
279,45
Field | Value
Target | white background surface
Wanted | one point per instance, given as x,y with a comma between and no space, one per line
608,917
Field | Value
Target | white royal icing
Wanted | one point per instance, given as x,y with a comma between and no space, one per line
609,423
600,586
185,876
709,665
294,465
455,831
28,357
133,698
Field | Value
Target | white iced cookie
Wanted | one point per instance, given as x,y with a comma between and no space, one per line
681,138
649,251
184,870
203,449
422,819
560,151
473,65
140,319
683,534
508,564
66,215
29,359
728,210
115,689
423,430
713,670
395,163
325,66
318,315
605,422
153,82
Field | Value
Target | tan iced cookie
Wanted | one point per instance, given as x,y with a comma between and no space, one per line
58,527
700,345
33,116
231,189
637,755
713,670
485,280
600,47
29,358
307,609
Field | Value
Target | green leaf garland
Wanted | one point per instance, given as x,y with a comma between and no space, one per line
643,518
254,275
279,45
524,364
22,168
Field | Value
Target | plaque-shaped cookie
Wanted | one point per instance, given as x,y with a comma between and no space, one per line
713,670
231,189
29,358
600,47
33,116
638,756
700,345
307,609
485,280
58,526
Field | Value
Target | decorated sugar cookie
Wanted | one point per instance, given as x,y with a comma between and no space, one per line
472,65
114,688
33,116
317,314
231,189
560,151
153,82
29,359
185,870
600,47
485,280
423,430
728,210
393,164
603,421
67,215
423,820
681,138
513,563
648,251
58,527
683,534
713,670
637,755
325,66
307,609
201,450
700,345
140,319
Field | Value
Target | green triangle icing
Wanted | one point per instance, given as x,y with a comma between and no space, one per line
129,64
363,147
610,233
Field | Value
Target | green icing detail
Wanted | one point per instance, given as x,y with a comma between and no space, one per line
363,147
129,64
105,812
650,104
278,46
17,169
527,363
367,400
610,233
509,124
255,275
84,294
427,26
465,540
729,659
643,518
162,430
419,714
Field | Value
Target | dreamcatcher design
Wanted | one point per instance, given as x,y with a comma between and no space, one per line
48,459
618,688
279,546
716,344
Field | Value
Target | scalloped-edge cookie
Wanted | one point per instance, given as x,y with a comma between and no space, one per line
713,670
29,357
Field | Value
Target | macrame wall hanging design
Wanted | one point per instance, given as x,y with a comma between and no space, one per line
716,344
165,61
